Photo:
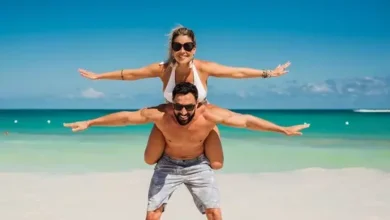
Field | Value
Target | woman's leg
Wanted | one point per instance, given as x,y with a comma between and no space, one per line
155,146
213,149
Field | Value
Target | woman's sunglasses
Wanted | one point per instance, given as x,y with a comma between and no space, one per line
187,46
179,107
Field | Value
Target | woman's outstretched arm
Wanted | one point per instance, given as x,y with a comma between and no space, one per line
222,71
149,71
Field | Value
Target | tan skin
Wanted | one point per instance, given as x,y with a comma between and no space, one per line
192,135
156,142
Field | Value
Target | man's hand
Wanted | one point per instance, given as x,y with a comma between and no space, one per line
295,130
77,126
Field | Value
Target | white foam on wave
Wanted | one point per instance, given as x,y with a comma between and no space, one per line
314,193
372,110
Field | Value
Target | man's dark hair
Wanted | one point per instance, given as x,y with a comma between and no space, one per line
184,88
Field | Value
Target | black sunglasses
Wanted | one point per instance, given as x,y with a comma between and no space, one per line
187,46
179,107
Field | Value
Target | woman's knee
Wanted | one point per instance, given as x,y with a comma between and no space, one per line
216,165
150,161
213,149
155,146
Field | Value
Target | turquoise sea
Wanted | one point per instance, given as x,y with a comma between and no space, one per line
336,139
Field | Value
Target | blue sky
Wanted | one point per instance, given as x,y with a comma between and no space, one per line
339,51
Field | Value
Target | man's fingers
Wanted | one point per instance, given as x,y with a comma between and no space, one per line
75,126
295,133
71,125
303,126
295,130
68,125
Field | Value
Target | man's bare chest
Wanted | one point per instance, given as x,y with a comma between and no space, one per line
196,131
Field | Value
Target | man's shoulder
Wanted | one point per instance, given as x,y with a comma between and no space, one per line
211,108
155,112
212,111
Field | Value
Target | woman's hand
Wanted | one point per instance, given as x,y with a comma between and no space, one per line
88,75
280,70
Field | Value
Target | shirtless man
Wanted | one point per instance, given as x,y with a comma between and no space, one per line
185,124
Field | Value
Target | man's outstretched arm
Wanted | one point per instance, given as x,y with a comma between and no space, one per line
142,116
229,118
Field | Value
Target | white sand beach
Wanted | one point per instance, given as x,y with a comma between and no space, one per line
311,194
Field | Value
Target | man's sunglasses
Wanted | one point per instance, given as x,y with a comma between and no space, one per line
187,46
179,107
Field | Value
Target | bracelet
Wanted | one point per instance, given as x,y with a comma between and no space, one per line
266,73
122,74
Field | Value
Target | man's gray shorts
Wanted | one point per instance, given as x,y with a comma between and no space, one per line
195,173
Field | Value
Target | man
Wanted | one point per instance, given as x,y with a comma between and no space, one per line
185,124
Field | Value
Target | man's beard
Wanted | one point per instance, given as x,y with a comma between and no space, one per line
184,121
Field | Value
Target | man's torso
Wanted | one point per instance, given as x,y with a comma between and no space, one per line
185,142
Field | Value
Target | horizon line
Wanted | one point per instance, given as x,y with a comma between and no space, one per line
267,109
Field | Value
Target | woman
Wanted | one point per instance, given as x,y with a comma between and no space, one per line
181,66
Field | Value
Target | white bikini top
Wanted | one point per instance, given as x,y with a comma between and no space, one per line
202,93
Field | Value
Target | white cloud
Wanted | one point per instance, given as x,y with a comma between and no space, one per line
91,93
241,94
244,94
350,90
353,92
317,88
361,86
366,85
280,91
119,96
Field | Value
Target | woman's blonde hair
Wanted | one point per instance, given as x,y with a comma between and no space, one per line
179,30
